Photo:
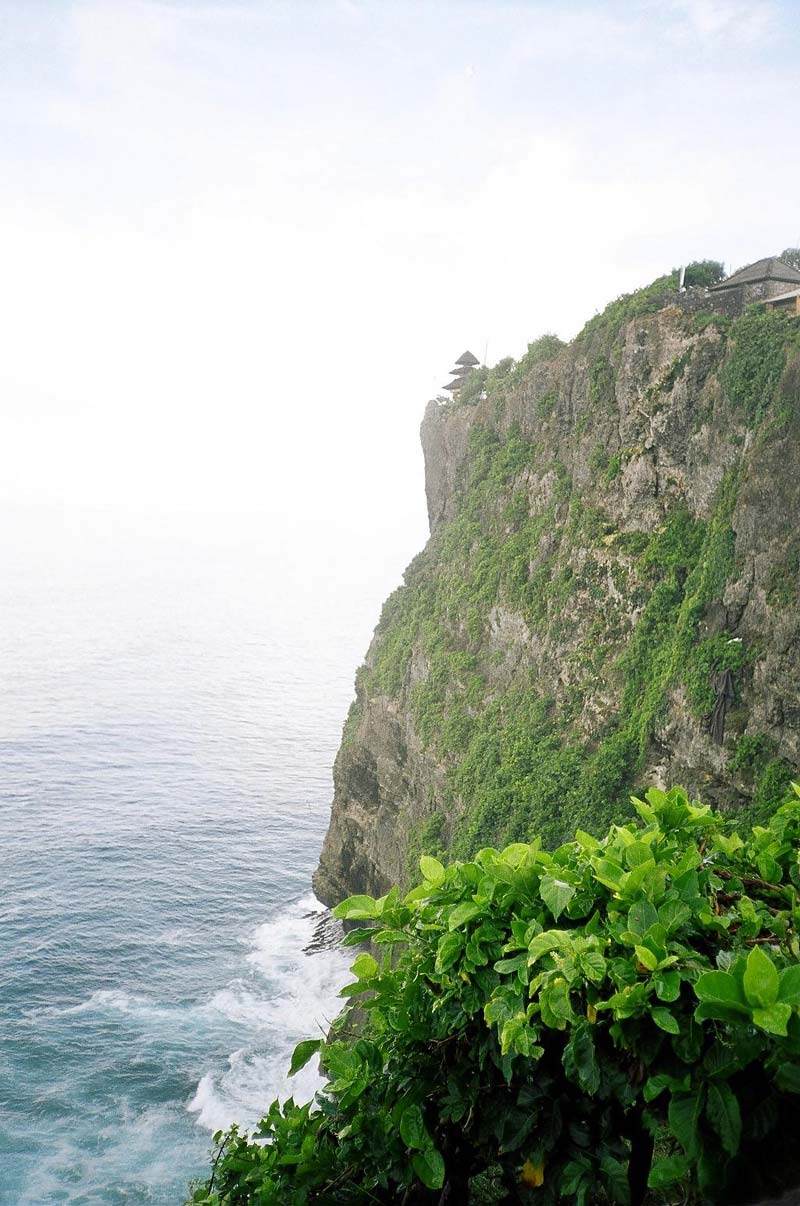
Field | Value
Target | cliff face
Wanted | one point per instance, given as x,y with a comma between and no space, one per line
614,556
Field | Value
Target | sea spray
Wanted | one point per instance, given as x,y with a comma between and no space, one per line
297,970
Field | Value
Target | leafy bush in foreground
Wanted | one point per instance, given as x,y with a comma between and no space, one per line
615,1022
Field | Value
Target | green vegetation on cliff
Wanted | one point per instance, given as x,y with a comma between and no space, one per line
616,1022
516,760
626,608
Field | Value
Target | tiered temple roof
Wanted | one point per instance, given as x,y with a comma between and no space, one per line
464,366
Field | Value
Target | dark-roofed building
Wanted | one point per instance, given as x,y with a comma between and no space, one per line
470,360
787,303
765,279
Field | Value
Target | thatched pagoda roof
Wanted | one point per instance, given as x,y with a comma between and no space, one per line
468,358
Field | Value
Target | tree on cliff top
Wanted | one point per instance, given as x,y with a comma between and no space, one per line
615,1022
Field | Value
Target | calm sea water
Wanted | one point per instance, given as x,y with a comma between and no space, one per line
168,723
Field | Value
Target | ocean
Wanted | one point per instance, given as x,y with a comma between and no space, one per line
169,717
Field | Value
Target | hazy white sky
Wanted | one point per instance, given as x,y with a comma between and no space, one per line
242,241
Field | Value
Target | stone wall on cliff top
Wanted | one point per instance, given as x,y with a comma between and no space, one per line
611,527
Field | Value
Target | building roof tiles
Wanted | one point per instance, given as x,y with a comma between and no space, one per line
770,269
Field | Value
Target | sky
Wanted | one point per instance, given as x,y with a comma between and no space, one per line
242,241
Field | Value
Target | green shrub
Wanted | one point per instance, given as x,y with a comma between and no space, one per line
613,468
704,272
617,1021
598,459
644,301
474,385
540,351
749,752
752,372
546,404
602,382
783,584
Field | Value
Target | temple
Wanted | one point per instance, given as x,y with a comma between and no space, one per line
464,366
770,280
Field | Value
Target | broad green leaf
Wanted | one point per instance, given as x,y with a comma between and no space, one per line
413,1131
431,868
516,854
667,985
502,1005
504,966
665,1020
302,1053
644,810
462,913
365,967
593,966
615,1175
673,914
723,1112
355,989
516,1035
637,853
789,986
667,1171
721,1061
708,1010
429,1167
385,937
580,1061
760,979
354,937
655,1085
356,908
684,1116
607,873
550,940
728,845
769,869
721,987
644,880
773,1019
449,950
555,1005
421,892
556,894
646,958
641,916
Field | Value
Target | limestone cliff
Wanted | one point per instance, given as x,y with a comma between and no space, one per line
615,524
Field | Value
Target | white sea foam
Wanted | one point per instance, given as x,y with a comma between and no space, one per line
108,1000
116,1001
243,1092
128,1153
177,936
292,994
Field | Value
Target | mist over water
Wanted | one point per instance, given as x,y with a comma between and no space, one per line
169,716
